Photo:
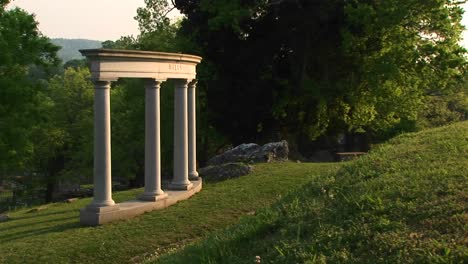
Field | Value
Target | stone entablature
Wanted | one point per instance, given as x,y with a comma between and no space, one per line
109,65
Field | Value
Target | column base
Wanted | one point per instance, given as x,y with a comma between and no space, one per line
183,186
193,176
93,215
129,209
152,197
103,206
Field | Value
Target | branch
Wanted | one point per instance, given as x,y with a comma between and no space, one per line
168,11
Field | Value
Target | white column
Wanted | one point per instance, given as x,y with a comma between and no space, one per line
102,147
180,180
153,191
192,132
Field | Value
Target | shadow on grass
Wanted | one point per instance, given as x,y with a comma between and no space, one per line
40,214
36,232
31,225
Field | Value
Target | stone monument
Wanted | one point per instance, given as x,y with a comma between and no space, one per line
108,65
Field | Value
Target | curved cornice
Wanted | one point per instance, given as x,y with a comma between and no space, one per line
111,64
140,54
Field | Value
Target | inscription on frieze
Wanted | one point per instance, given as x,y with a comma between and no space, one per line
175,67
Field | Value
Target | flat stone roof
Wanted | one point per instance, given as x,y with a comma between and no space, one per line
139,54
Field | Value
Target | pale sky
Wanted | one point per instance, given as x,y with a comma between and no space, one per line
97,19
88,19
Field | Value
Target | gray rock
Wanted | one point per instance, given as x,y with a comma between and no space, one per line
275,151
71,200
253,153
224,171
237,154
39,208
4,218
231,163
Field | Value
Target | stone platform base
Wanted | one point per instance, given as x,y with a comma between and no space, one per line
133,208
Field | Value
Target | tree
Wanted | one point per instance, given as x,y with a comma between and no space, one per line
125,42
302,69
64,136
75,63
22,46
157,31
410,52
128,131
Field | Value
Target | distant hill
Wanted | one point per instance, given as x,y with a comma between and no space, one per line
70,47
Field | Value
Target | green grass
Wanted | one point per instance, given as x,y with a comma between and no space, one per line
52,234
406,202
6,194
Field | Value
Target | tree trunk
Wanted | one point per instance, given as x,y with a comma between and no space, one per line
49,195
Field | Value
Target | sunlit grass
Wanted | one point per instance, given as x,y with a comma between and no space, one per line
52,233
406,202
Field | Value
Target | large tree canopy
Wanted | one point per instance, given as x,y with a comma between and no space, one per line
300,69
21,47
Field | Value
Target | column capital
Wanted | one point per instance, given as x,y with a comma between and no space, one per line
182,83
154,83
193,83
102,84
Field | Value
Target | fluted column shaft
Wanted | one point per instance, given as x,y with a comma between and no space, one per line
180,180
102,146
192,131
153,189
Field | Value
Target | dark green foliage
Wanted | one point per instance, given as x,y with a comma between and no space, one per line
22,48
75,63
125,42
403,203
63,137
441,110
128,130
302,69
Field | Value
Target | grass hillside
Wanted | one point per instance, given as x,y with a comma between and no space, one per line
406,202
52,233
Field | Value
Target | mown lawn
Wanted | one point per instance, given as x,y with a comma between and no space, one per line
406,202
52,234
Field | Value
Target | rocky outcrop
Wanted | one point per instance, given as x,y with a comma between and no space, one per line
253,153
233,163
271,152
224,171
237,154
